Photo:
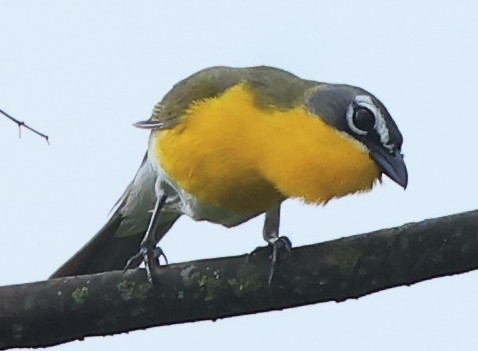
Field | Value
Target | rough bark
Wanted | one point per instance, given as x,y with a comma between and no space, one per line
56,311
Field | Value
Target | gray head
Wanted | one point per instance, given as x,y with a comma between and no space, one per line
361,115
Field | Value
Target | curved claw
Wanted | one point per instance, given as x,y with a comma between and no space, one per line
279,245
158,253
133,262
151,258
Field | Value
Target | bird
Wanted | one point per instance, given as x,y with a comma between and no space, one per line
228,144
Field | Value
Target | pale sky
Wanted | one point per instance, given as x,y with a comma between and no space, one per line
84,71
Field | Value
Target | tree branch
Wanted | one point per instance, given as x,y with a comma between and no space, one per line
24,125
55,311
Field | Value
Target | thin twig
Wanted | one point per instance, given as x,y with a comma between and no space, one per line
24,125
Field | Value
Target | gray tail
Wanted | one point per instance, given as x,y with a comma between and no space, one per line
106,251
120,237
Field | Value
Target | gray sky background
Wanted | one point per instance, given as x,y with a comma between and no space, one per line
84,71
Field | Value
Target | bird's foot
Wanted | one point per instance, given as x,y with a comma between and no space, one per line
150,255
279,245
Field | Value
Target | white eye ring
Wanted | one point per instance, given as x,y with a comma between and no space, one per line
350,121
380,126
364,102
362,115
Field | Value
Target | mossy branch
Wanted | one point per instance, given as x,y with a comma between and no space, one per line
60,310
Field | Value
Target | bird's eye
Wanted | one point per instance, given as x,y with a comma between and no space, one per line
363,119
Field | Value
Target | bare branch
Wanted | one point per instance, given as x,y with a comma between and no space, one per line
26,126
60,310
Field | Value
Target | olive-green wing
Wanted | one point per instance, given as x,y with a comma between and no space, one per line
272,87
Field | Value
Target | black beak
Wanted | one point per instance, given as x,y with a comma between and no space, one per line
391,164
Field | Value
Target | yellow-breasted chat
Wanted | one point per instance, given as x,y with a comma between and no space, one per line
228,144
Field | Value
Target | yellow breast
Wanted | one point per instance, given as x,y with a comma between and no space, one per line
227,152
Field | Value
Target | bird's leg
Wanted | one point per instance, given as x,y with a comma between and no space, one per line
149,253
270,233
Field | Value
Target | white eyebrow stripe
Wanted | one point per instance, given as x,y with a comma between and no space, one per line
380,124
